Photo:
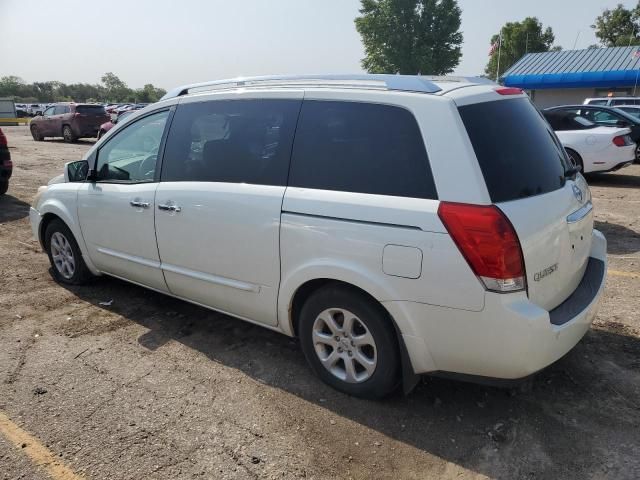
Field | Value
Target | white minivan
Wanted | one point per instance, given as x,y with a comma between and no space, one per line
397,225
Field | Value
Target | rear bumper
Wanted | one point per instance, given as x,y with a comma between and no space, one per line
86,130
611,165
510,338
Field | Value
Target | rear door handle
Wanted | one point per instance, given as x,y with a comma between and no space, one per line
170,208
138,204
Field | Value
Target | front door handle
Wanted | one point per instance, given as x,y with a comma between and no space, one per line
170,208
138,204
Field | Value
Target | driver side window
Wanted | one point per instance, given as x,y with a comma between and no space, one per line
130,156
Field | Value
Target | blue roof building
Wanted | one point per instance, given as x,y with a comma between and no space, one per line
570,76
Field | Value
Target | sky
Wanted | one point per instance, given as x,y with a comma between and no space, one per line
174,42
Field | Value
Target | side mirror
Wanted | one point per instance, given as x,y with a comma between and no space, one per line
77,171
38,113
622,123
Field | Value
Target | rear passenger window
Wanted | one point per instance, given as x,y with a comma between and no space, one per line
362,148
231,141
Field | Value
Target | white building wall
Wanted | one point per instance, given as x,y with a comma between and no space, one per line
561,96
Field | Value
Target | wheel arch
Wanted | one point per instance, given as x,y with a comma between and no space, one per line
304,291
52,209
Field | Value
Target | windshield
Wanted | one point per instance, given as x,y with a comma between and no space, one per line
635,112
629,117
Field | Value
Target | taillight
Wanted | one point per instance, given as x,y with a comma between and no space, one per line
622,141
509,91
3,138
488,242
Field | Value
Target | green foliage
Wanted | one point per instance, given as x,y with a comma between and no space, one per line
410,36
619,27
112,89
519,38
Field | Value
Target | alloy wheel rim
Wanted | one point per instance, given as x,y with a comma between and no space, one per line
344,345
62,255
638,154
67,133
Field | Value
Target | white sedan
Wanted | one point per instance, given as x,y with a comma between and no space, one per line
592,148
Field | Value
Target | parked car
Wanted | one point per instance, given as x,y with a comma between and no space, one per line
591,147
35,109
606,117
405,225
612,101
69,121
105,127
6,165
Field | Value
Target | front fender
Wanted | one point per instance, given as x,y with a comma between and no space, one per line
64,206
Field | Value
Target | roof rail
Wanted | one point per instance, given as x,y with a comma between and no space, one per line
405,83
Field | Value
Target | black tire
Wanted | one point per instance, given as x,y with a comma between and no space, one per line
4,186
68,135
637,159
81,273
576,159
386,376
35,133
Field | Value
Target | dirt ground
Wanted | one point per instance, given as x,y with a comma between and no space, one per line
155,388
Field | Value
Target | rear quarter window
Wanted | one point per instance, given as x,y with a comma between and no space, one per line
360,148
518,153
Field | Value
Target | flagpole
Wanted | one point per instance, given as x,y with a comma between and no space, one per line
637,73
499,52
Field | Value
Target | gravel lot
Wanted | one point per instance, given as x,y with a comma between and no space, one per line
152,387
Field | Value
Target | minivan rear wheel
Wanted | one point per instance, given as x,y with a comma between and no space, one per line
349,342
67,134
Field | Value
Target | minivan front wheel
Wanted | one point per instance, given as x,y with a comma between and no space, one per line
67,134
65,255
348,341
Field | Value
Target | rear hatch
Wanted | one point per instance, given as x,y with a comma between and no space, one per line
92,115
524,167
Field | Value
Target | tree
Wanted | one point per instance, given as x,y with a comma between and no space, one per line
518,38
115,89
410,36
149,94
618,27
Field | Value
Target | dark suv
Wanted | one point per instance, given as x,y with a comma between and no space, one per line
69,121
6,167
